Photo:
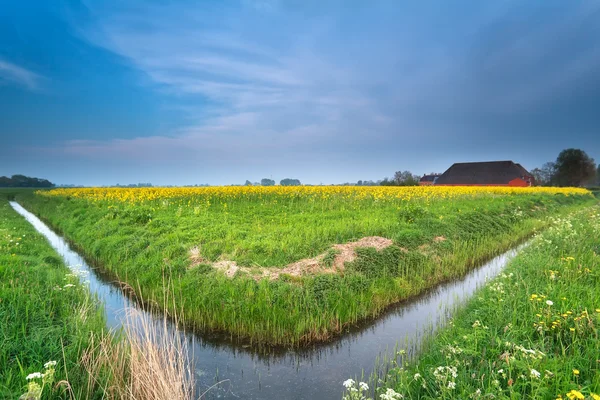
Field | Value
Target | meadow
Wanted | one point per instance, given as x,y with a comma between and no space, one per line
54,342
46,316
293,265
530,333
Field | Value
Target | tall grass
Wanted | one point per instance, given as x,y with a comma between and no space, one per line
149,362
142,242
532,333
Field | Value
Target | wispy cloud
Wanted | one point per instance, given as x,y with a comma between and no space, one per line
14,74
267,76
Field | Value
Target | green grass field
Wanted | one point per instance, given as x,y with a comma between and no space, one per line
45,314
146,240
531,333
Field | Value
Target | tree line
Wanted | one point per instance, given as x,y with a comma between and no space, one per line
24,181
271,182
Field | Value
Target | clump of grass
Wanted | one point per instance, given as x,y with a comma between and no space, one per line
149,361
531,333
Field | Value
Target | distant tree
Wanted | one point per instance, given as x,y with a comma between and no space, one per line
544,176
24,181
248,183
574,167
267,182
537,175
406,178
290,182
598,175
388,182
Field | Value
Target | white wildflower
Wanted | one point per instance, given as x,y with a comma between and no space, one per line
68,285
417,376
534,373
549,302
50,364
35,375
363,386
451,385
391,394
348,383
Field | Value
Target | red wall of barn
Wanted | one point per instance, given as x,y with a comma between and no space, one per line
518,182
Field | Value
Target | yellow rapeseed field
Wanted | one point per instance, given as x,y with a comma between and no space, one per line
316,192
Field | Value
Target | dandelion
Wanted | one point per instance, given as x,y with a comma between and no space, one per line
575,372
35,375
534,373
549,302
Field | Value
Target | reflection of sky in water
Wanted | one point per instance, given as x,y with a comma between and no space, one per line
316,372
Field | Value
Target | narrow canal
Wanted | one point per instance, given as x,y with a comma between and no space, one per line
310,373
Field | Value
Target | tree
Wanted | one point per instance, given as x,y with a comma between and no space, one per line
24,181
545,175
598,175
405,178
267,182
574,167
290,182
248,183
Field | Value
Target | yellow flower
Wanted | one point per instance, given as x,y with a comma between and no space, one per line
576,371
575,394
595,396
572,329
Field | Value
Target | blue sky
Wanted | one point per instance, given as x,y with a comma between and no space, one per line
186,92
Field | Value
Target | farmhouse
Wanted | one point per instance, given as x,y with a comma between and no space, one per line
491,173
428,180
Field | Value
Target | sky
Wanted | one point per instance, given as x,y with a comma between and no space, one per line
325,91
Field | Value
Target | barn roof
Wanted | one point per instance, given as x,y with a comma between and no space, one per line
482,173
428,178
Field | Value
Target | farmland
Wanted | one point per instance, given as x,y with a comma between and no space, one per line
530,333
293,265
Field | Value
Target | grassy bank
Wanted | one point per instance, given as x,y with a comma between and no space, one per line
53,339
46,316
144,236
532,333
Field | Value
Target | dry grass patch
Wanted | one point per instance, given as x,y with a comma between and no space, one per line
330,262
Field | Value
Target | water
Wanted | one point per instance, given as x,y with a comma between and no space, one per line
311,373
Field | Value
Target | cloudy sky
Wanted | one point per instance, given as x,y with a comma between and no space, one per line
326,91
